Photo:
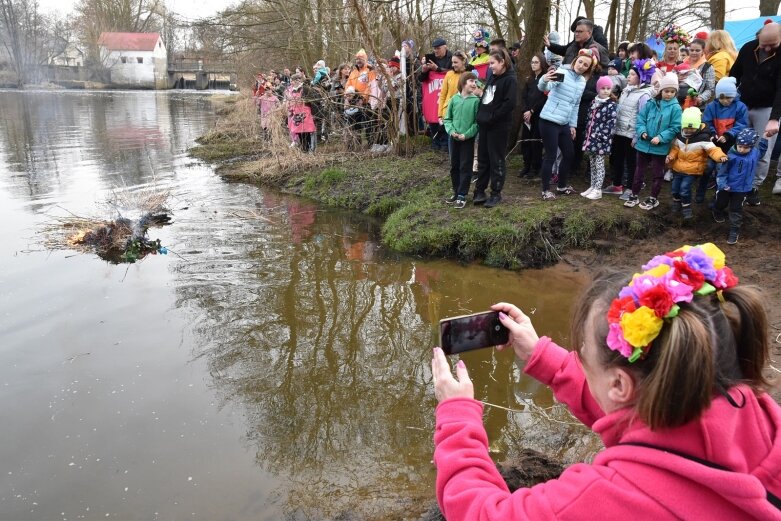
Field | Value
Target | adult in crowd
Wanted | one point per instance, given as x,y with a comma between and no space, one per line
680,403
559,119
698,62
584,39
515,52
757,70
440,60
494,117
413,94
623,55
670,58
533,102
321,74
361,78
721,52
481,54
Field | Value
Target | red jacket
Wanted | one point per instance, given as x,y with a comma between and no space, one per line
624,482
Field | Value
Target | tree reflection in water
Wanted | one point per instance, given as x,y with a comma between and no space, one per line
325,339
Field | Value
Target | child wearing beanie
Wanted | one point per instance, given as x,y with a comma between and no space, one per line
735,180
658,122
688,158
725,117
599,135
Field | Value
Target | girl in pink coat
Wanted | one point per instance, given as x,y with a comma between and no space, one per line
668,370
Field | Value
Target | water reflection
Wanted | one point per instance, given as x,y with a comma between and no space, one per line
305,324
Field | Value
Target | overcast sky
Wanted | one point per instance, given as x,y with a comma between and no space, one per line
736,9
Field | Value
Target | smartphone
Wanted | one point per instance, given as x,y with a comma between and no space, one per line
559,77
468,332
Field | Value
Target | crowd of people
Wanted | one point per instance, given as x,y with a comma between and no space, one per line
703,115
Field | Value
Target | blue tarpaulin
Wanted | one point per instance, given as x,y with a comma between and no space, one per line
743,31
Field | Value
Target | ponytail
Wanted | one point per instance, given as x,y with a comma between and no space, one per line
748,320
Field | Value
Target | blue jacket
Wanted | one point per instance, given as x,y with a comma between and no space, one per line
725,120
658,118
563,98
737,174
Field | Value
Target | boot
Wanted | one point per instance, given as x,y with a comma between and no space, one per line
676,207
735,223
686,210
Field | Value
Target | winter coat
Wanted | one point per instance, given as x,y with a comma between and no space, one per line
628,106
601,123
759,83
322,75
461,115
533,99
689,155
448,90
737,174
722,62
708,87
499,99
725,120
624,481
658,118
361,80
563,98
444,64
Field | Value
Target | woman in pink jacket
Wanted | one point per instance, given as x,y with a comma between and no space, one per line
668,370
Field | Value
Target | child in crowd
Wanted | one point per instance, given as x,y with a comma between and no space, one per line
622,154
725,117
614,73
688,158
657,124
671,375
599,134
559,118
268,103
735,180
494,117
461,125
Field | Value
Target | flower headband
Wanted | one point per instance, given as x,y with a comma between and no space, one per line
636,317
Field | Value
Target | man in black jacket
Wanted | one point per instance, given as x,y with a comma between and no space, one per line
441,60
758,73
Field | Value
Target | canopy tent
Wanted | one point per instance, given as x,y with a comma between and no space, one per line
743,31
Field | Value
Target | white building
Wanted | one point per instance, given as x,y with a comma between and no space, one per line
71,56
135,59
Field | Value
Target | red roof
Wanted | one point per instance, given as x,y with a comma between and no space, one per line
129,41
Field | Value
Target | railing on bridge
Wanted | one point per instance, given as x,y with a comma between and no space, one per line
193,65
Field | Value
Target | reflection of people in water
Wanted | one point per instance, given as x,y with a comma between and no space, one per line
669,371
468,333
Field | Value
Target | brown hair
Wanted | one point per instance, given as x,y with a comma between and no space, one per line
503,56
709,347
543,65
465,77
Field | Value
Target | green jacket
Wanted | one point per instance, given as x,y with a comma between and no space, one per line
461,114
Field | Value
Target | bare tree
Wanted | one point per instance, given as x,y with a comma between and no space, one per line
768,7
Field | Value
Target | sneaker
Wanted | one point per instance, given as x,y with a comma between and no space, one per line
595,195
567,190
533,174
587,192
474,178
733,236
548,196
293,144
712,184
451,199
493,201
777,187
649,204
460,203
668,176
632,201
613,190
626,195
524,171
687,212
753,197
479,198
676,207
719,217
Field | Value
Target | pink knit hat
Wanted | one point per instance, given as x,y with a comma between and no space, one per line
604,81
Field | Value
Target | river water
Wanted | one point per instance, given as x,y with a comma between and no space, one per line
275,365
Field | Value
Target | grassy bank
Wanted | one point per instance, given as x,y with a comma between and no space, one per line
408,193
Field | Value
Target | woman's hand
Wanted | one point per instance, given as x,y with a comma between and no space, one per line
572,132
550,75
527,116
445,386
523,337
656,140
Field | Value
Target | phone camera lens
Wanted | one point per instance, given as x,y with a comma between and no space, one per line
497,327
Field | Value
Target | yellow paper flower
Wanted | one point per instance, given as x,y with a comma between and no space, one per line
658,271
641,326
713,251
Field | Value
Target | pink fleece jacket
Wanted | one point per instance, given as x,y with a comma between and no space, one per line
624,482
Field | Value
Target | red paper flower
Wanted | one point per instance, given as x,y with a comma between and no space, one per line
686,275
658,299
620,306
